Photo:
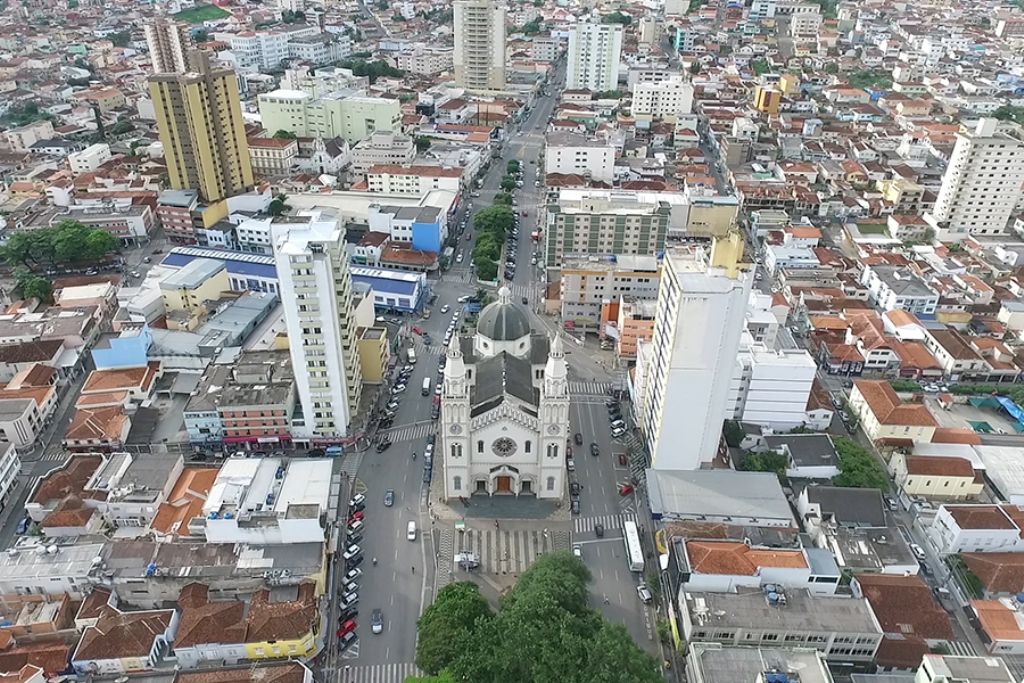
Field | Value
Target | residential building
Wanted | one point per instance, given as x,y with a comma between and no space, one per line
273,156
426,60
21,138
633,326
382,148
1001,629
347,114
947,668
666,100
883,416
10,468
217,633
892,287
256,403
809,456
265,50
771,387
122,642
264,501
718,566
959,360
843,629
421,227
316,289
701,308
977,529
201,128
595,50
27,404
70,571
413,180
168,44
374,353
804,25
982,183
592,287
910,616
570,153
320,49
89,159
937,477
479,56
602,224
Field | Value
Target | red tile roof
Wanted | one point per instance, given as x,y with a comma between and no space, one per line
999,572
939,466
905,608
980,517
887,407
739,559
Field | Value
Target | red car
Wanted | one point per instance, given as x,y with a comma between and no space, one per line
356,517
347,627
625,489
417,330
622,459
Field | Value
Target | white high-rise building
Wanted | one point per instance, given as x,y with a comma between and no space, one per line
480,44
595,51
167,43
982,183
667,100
316,291
702,305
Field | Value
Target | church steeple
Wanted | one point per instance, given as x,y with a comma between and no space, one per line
556,372
454,371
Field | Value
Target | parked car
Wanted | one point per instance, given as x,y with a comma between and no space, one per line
357,499
383,445
578,438
355,525
918,552
347,640
625,489
23,526
352,551
570,464
353,574
577,550
574,506
618,431
346,628
574,488
644,593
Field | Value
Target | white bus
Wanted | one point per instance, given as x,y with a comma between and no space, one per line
634,553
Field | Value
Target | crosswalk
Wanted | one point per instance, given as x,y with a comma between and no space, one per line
378,673
960,648
420,430
499,551
589,388
519,291
436,347
53,453
583,525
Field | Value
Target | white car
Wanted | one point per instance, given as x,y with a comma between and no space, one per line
356,500
644,593
445,308
458,259
351,552
918,552
463,299
577,550
570,464
617,432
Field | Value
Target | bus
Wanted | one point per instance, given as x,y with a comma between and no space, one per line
634,553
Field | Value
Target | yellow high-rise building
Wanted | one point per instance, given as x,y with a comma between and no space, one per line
200,121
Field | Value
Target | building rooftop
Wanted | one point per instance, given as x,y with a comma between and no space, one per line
806,450
972,669
716,663
718,494
192,275
849,506
802,612
739,559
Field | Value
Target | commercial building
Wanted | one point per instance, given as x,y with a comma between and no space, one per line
717,663
569,153
936,477
168,43
10,468
605,223
895,287
382,148
89,159
982,183
320,48
201,128
771,387
256,403
263,51
422,227
273,156
349,115
200,281
977,529
426,60
843,629
665,100
702,303
592,287
595,50
479,44
725,497
414,180
316,289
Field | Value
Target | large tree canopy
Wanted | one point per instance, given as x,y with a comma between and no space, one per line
544,631
68,242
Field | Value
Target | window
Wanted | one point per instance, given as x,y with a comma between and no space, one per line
526,447
480,446
551,483
457,483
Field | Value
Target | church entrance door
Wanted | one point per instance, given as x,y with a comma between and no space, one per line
504,485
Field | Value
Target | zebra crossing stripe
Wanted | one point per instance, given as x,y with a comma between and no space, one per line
379,673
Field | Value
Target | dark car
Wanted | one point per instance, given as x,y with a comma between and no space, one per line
578,439
574,488
383,445
386,423
346,614
599,530
316,453
354,562
355,537
435,412
377,621
575,506
426,475
526,300
432,439
23,526
347,640
594,450
568,451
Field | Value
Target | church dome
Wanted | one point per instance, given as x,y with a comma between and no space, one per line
503,320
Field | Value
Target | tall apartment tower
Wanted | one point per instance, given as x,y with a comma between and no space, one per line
594,54
983,182
168,45
199,118
316,291
480,44
702,303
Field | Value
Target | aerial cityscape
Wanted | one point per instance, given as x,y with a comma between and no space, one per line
511,341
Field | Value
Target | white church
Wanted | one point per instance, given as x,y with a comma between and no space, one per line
505,408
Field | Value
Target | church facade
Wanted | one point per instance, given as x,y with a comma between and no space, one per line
504,408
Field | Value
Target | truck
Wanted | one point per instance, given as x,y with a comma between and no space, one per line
425,390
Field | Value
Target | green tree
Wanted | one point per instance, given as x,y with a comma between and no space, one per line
512,167
443,677
486,249
618,18
422,143
760,66
496,219
733,433
546,631
508,183
382,5
67,242
764,462
831,68
28,285
278,205
533,27
200,35
285,135
858,467
695,68
121,38
448,624
486,270
503,198
1009,113
372,70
